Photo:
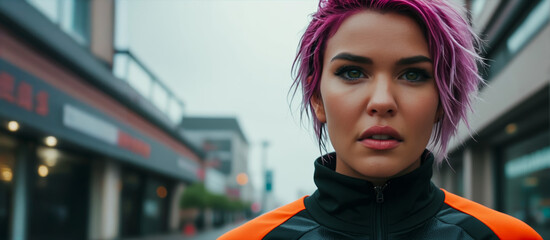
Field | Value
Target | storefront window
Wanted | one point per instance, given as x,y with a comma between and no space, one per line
155,207
7,160
144,204
527,181
71,15
130,200
59,196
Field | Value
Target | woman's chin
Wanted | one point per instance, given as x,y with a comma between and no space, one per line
378,169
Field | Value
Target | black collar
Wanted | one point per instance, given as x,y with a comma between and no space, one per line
349,204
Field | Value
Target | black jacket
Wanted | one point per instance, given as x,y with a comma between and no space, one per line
407,207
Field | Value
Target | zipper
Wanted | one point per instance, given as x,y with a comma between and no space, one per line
378,210
379,193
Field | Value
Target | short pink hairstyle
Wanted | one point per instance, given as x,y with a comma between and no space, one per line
452,44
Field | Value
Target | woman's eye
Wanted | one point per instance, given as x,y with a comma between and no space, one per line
411,76
349,73
354,74
416,75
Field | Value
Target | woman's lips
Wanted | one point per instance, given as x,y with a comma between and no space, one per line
380,138
380,144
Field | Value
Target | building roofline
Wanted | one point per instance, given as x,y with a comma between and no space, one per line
213,123
39,31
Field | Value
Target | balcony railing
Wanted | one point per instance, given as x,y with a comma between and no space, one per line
130,69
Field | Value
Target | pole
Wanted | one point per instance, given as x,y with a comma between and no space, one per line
265,145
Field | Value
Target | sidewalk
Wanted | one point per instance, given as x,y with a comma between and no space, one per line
211,234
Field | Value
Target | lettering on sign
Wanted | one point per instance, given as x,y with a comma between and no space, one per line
133,144
24,96
7,86
42,103
21,95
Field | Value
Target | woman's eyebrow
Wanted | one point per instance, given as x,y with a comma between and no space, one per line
366,60
352,58
413,60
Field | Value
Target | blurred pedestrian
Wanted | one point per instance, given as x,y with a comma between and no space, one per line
388,81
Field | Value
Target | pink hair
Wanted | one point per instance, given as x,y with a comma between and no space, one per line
451,41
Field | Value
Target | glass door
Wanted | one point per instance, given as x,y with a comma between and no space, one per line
59,196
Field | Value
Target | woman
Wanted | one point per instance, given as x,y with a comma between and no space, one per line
385,78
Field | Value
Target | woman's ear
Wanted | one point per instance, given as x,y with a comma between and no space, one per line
316,102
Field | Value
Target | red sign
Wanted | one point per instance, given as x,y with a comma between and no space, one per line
200,174
133,144
22,95
7,85
42,103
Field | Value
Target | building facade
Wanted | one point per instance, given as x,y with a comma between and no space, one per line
226,149
83,154
507,164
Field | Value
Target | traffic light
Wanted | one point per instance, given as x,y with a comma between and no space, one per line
268,180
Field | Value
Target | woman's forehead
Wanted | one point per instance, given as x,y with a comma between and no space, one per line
370,32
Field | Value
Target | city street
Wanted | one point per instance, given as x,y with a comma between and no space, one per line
186,123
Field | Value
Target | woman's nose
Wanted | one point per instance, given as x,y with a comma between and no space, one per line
382,99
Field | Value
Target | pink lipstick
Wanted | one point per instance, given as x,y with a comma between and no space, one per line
380,138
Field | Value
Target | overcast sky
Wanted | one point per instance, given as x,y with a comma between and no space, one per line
233,58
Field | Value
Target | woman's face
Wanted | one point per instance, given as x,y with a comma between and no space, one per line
378,96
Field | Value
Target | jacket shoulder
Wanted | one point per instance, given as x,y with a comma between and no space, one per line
503,225
259,227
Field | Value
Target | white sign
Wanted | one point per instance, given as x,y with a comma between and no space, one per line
214,181
89,124
188,165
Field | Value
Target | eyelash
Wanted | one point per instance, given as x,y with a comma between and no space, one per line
422,74
342,71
